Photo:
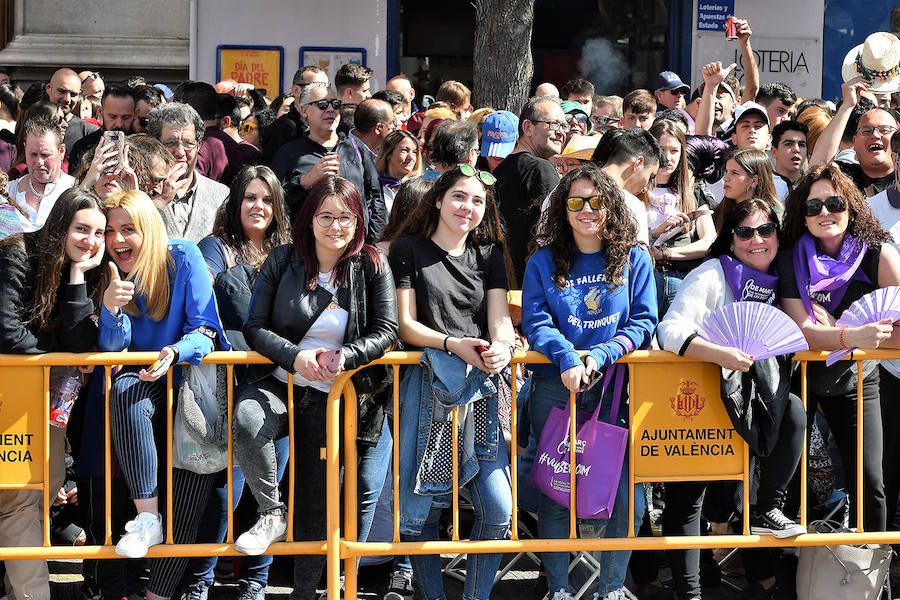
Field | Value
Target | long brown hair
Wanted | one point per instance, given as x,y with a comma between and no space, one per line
51,258
862,224
423,221
753,162
619,234
228,226
680,179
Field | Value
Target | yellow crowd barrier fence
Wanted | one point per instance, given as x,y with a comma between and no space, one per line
679,431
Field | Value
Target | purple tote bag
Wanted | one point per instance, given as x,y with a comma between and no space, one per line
599,452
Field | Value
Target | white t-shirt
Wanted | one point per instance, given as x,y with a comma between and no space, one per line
889,217
326,332
639,214
37,218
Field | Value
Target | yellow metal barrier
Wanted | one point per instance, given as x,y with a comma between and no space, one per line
660,382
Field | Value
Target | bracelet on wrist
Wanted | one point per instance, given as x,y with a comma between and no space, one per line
841,337
446,338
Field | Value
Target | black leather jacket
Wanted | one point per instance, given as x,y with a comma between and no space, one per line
282,310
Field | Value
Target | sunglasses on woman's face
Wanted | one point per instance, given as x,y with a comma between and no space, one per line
576,203
834,204
766,230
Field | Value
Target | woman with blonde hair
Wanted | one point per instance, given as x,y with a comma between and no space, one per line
158,298
816,119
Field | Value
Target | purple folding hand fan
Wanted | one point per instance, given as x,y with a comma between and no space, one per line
883,303
760,330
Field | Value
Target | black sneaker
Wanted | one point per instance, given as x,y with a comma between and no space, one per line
251,590
773,522
755,591
400,586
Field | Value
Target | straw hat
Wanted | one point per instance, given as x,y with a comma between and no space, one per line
877,60
581,147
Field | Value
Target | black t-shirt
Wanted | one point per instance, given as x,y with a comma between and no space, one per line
451,291
523,181
869,186
688,237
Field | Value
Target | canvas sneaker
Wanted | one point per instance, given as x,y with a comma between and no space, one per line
558,595
773,522
400,586
143,531
251,590
269,528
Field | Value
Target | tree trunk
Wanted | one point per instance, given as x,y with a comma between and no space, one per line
502,61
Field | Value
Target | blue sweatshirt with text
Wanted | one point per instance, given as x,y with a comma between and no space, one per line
586,314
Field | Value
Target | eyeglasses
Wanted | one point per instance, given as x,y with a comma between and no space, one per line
188,145
766,230
576,203
247,128
91,75
555,126
143,121
323,104
326,219
580,118
868,130
470,171
834,204
605,120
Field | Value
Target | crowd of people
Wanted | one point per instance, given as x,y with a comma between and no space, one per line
331,225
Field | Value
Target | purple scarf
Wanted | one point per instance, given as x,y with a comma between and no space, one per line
747,283
826,279
388,180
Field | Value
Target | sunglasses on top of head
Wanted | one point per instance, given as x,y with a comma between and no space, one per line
470,171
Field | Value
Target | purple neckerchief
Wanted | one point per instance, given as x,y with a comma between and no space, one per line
826,279
747,283
389,180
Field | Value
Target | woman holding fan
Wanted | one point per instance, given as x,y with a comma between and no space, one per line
838,255
588,286
740,269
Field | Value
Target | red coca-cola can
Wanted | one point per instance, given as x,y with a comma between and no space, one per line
730,29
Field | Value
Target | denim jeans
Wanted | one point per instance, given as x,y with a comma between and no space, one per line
492,499
553,518
214,524
667,284
372,467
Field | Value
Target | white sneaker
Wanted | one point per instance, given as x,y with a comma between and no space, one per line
269,528
558,595
143,531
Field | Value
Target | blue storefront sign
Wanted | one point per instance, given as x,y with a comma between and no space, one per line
711,14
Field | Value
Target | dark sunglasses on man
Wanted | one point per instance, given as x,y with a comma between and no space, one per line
323,104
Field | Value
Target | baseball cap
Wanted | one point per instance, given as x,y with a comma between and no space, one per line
751,107
570,106
498,134
667,80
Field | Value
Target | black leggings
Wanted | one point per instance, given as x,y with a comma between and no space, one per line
684,502
840,413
